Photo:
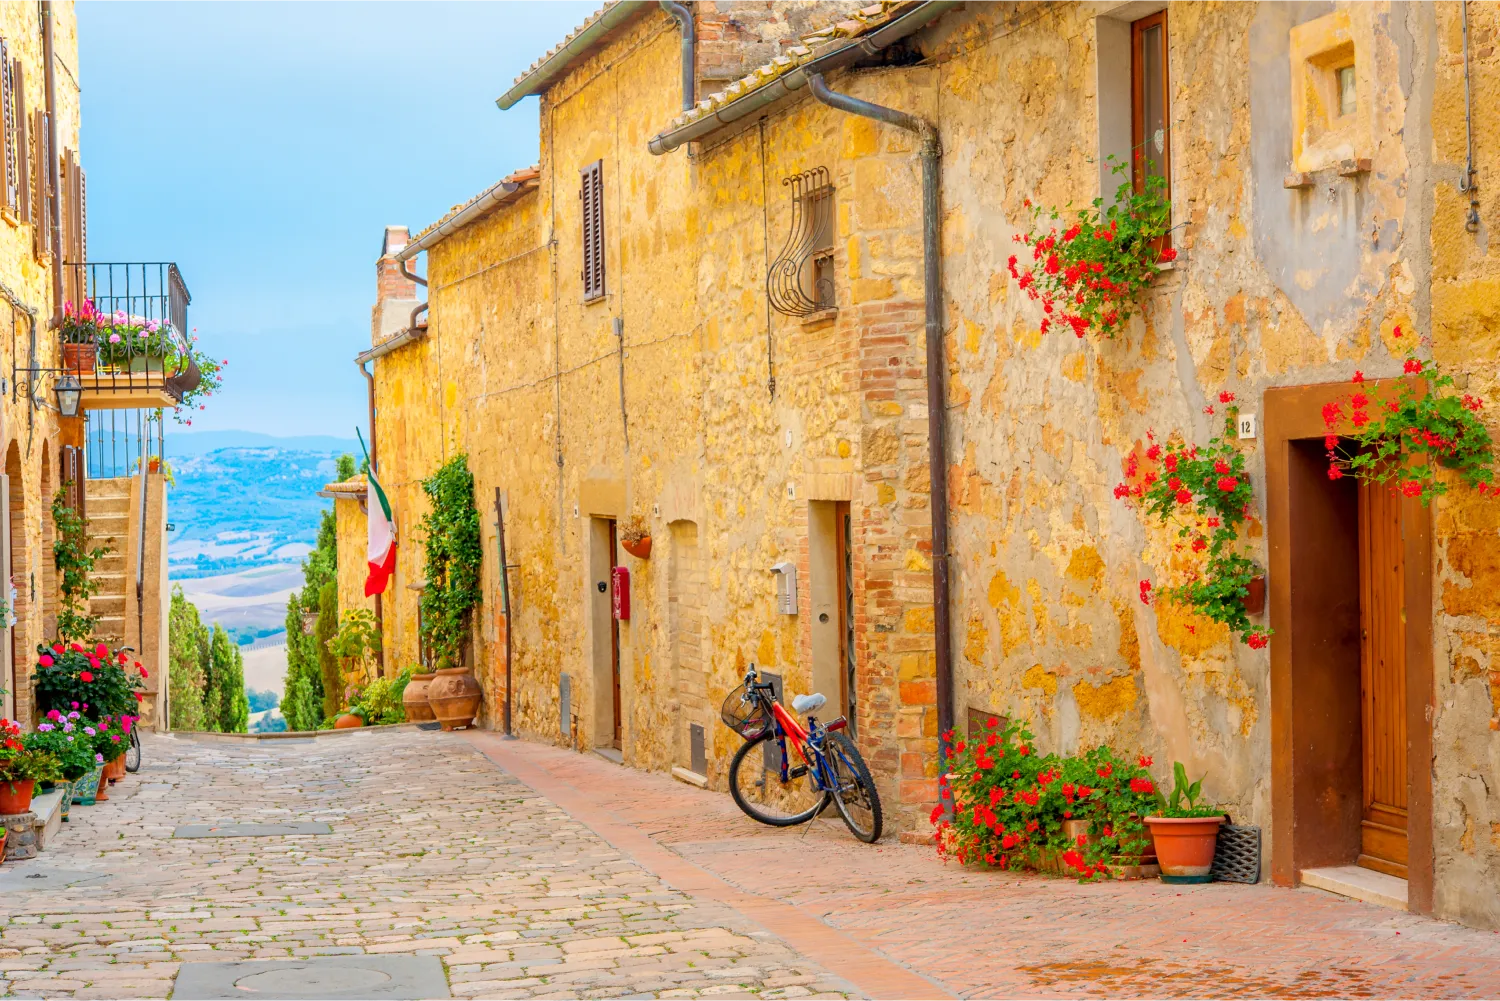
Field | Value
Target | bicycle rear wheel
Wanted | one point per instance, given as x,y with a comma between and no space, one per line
857,801
760,792
133,752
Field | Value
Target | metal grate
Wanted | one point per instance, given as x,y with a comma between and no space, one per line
1237,856
116,442
799,281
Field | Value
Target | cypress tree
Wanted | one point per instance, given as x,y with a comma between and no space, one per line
328,665
185,675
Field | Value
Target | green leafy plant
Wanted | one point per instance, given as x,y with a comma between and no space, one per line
74,559
1205,493
20,762
61,735
1089,275
92,680
453,558
380,702
1405,434
355,644
210,377
1183,801
1010,804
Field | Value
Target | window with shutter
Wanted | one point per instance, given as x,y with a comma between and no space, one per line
42,203
591,195
23,147
8,100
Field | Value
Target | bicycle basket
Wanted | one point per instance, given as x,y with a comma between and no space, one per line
745,714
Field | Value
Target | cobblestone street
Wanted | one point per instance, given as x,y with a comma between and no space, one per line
535,872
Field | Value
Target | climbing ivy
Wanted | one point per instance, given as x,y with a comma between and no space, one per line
453,558
75,568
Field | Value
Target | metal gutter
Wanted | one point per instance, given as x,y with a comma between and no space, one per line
385,347
684,19
795,79
558,62
483,203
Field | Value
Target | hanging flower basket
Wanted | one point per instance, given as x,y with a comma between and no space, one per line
640,548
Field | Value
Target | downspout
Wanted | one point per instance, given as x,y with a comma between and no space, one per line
937,410
684,18
375,469
55,222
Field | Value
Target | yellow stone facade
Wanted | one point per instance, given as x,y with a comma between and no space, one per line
657,401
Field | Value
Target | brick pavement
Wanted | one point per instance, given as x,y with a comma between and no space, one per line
987,934
434,851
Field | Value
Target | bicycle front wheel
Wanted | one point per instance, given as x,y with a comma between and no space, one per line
857,801
133,752
755,783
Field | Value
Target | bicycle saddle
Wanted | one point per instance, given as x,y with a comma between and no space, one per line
808,703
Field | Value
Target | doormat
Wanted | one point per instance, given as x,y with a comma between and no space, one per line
429,726
251,830
320,978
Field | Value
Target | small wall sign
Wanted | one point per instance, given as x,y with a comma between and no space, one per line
1246,423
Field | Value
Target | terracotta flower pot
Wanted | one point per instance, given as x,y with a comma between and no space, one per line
114,769
414,699
103,794
1255,595
79,358
348,721
15,797
1185,847
640,549
454,696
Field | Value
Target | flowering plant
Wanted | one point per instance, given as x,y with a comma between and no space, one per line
113,735
210,378
1384,440
91,680
62,736
20,762
1089,275
1206,494
1010,804
80,325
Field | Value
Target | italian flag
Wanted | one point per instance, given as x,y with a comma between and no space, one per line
381,549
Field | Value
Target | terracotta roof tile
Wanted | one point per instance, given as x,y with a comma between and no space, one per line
521,176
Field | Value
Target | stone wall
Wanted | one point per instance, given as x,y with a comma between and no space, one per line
657,401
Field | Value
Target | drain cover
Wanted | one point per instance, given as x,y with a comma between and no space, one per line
323,978
13,878
251,830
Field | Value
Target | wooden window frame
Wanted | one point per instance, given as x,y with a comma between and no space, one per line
24,208
1138,30
12,153
591,204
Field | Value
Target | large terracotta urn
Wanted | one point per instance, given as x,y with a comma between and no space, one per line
414,699
454,697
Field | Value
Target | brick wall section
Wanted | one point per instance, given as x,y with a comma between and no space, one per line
389,282
734,38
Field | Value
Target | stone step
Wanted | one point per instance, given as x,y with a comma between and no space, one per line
98,507
107,604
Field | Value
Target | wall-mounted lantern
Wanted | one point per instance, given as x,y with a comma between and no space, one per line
69,394
786,587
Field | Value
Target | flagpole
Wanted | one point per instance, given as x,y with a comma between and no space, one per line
505,600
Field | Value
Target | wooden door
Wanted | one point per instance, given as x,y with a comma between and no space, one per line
1383,841
844,555
614,632
7,649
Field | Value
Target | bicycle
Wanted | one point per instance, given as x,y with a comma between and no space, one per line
775,793
133,752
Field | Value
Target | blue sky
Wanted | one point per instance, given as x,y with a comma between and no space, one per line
265,146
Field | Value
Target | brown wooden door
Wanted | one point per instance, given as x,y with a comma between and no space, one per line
614,631
1383,843
848,692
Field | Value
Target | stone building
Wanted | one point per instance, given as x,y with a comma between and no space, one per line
713,321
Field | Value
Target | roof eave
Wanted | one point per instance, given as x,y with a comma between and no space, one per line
488,200
796,78
399,339
557,64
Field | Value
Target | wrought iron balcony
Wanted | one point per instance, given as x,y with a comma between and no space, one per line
125,335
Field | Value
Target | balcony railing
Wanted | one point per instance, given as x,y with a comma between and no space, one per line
124,334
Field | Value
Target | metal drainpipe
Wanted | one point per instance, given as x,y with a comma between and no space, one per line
684,18
937,413
55,223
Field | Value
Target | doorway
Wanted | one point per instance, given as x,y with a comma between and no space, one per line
604,556
1382,564
1350,589
847,655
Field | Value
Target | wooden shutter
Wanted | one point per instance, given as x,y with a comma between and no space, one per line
8,99
23,146
591,194
41,203
73,214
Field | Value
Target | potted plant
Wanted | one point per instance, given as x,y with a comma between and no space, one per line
414,702
64,739
352,717
636,537
21,767
1185,832
454,555
80,337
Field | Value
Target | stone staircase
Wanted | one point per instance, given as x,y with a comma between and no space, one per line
108,507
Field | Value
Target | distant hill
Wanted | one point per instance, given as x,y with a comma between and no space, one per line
240,508
184,443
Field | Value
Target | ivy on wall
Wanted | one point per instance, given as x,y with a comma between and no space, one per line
454,555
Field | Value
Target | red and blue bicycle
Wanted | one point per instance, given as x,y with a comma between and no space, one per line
770,788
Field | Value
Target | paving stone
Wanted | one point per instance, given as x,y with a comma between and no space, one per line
322,979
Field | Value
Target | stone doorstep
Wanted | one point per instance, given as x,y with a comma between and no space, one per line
48,810
690,777
1360,883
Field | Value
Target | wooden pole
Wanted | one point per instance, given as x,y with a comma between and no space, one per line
505,600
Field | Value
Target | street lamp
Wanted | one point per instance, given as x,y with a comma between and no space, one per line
69,393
